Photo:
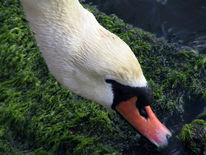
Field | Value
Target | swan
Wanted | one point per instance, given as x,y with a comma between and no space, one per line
94,63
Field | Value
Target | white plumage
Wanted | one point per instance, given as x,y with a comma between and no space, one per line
79,52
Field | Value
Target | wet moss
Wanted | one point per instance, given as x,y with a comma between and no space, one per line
39,116
193,137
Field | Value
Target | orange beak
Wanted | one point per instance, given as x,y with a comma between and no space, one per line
150,127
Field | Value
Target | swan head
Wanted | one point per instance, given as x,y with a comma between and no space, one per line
133,103
121,86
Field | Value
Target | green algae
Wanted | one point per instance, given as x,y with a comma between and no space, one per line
193,137
39,116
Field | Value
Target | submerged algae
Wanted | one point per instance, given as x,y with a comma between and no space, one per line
193,137
39,116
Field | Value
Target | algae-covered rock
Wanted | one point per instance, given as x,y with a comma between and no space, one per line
193,137
38,115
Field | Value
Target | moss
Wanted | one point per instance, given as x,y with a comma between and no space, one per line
39,116
193,137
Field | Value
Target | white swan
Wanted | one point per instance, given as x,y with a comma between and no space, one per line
94,63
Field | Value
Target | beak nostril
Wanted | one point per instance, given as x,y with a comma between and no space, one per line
143,112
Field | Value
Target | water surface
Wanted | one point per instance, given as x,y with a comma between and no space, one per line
182,21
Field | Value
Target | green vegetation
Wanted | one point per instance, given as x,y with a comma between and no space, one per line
38,115
193,137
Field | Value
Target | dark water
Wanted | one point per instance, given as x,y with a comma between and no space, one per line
182,21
